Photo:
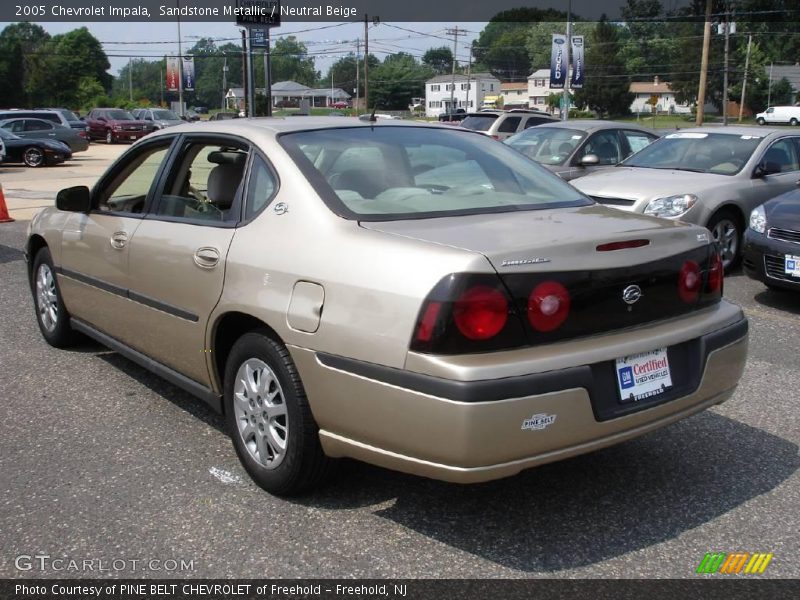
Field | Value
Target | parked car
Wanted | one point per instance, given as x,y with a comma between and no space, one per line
115,125
201,110
55,115
772,242
2,150
69,119
43,130
462,314
779,114
33,153
456,114
572,149
223,115
340,104
710,176
159,118
190,116
503,124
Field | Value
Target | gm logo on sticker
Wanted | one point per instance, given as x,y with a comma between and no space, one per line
626,377
539,421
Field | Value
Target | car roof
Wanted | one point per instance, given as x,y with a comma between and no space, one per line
761,132
594,125
277,125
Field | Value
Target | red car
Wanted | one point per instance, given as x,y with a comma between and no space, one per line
115,125
340,104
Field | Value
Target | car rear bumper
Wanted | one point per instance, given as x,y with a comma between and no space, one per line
468,431
764,258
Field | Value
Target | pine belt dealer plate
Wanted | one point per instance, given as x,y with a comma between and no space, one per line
644,375
792,266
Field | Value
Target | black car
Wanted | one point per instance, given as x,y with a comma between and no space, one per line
45,130
772,242
33,153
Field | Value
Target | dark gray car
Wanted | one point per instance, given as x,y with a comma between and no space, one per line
573,149
45,130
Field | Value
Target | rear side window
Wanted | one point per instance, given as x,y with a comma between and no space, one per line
37,125
479,122
509,125
260,188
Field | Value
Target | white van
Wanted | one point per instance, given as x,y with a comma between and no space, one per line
779,114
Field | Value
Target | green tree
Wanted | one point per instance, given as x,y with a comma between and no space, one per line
343,74
290,62
502,46
440,60
90,93
399,78
606,89
20,47
647,42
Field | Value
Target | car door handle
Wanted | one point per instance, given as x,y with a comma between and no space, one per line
119,239
206,257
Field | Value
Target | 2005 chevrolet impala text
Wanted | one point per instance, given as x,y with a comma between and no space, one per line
418,297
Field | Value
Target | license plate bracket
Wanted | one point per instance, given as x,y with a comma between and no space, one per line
643,376
791,265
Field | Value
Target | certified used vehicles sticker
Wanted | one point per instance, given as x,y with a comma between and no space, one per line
643,375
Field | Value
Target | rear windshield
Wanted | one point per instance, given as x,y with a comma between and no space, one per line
479,122
391,172
68,115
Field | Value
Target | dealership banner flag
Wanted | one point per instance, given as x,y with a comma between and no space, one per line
173,73
578,65
188,73
558,70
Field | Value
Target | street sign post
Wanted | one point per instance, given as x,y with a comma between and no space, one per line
258,16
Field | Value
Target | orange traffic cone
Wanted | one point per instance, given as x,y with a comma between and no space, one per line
4,216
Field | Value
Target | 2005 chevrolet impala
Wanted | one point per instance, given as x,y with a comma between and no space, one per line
417,297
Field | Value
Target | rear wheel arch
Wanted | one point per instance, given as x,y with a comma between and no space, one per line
228,328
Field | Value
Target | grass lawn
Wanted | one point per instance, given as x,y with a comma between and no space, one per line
679,121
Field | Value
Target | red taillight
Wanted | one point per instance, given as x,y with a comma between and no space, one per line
715,274
428,321
611,246
481,312
496,137
82,134
689,282
548,306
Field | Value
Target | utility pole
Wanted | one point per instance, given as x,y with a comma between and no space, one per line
268,74
358,70
769,86
469,80
180,62
565,98
161,85
725,73
224,81
366,61
454,33
244,71
130,78
701,93
744,81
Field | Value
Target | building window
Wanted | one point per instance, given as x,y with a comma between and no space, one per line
470,104
491,87
448,87
435,104
465,86
538,83
540,101
435,88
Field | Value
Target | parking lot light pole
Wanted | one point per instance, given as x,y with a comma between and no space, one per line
180,62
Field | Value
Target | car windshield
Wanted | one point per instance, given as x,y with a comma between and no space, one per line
719,153
166,115
395,172
120,115
547,145
478,122
69,115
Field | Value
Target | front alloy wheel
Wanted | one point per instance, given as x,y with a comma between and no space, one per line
46,298
109,137
33,157
724,229
51,314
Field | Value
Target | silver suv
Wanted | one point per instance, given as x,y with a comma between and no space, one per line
503,124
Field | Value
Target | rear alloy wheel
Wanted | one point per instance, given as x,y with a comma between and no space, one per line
33,157
793,122
51,314
109,137
760,120
726,231
269,419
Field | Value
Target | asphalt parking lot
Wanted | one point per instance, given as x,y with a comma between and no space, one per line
100,460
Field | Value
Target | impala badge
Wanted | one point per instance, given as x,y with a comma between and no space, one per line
632,294
524,261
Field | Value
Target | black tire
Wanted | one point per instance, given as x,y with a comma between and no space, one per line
793,122
56,330
302,466
760,121
725,219
34,157
110,137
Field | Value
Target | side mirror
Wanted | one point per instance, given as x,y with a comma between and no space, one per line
83,118
766,168
589,160
74,199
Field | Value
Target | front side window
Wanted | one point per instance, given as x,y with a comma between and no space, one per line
393,172
547,145
128,190
783,154
204,183
604,145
